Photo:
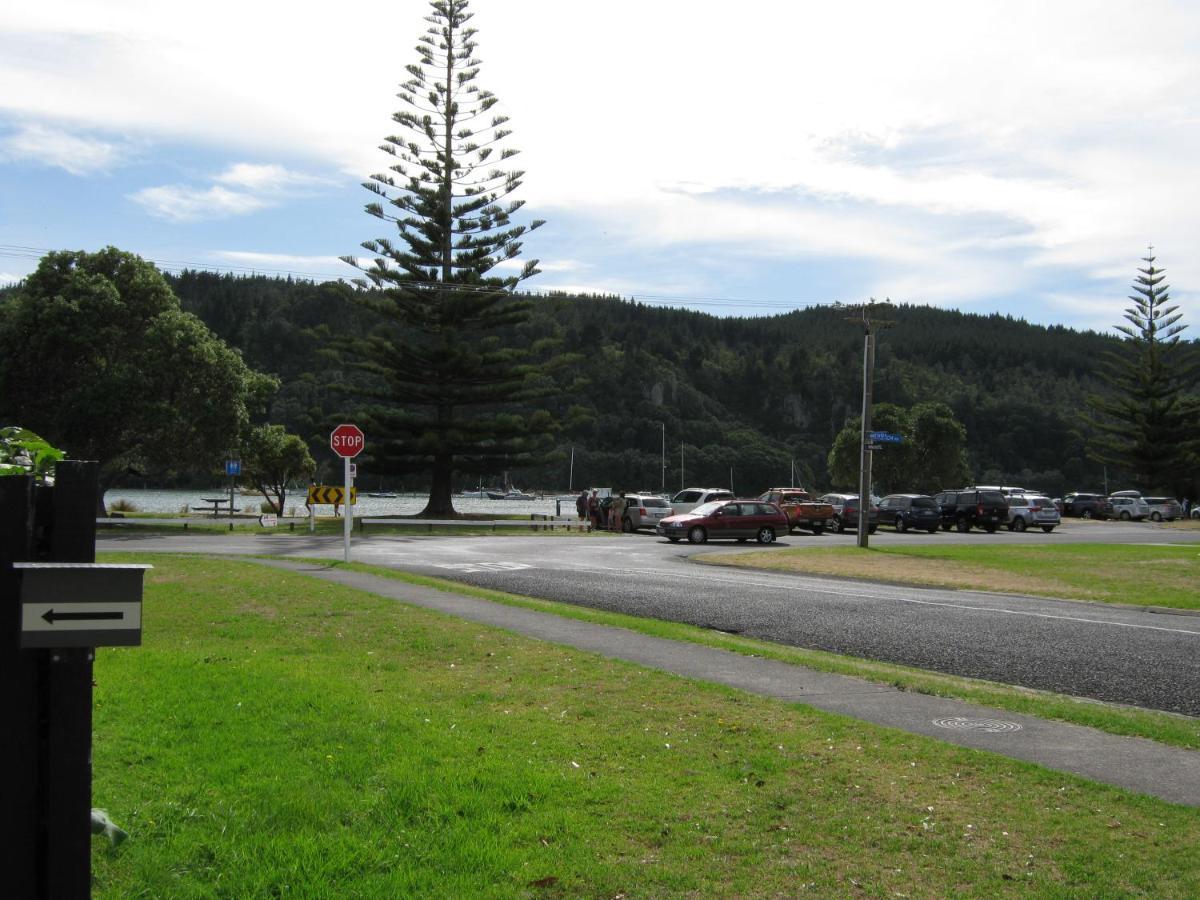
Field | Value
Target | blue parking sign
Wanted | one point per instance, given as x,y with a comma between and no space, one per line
233,467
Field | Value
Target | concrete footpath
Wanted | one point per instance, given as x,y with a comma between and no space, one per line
1134,763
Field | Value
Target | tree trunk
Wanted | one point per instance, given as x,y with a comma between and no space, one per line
441,502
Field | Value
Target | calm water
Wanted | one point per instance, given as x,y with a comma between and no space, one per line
404,505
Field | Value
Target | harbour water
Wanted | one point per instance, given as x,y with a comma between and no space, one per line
180,502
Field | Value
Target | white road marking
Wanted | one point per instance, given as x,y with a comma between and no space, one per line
484,566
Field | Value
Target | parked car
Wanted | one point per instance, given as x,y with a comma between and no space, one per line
800,508
689,498
1032,510
644,511
1087,506
845,513
726,520
905,511
1164,509
1006,490
1127,508
970,508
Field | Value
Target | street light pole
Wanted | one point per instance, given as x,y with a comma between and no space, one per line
664,457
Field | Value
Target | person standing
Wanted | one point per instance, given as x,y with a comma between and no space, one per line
581,504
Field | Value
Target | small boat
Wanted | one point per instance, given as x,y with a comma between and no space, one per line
483,494
514,494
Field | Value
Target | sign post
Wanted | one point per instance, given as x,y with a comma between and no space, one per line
347,441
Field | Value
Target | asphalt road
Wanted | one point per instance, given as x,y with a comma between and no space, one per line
1097,651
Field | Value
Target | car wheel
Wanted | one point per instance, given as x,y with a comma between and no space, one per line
838,525
766,535
901,525
933,530
1018,524
1155,517
1125,515
871,529
697,535
1047,528
627,526
962,525
1087,513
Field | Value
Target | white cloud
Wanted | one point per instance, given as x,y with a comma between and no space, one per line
180,203
257,187
9,278
45,145
324,265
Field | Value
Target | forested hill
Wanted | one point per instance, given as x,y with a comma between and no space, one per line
744,396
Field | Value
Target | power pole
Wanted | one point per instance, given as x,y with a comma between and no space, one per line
864,315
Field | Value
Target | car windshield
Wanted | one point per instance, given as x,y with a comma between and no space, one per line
923,503
651,501
707,509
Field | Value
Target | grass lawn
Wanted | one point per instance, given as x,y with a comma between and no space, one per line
280,735
1137,574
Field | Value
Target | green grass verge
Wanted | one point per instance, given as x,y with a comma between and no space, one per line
280,735
1133,574
1167,728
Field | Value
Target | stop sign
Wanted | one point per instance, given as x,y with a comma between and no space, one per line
347,441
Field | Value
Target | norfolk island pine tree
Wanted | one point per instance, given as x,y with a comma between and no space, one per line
448,395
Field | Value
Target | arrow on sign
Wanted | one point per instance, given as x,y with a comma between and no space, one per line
51,616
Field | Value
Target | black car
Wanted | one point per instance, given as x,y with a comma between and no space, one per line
1087,506
905,511
971,508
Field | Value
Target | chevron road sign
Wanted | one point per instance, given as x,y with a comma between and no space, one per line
330,495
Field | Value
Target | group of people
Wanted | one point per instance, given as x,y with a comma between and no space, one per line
605,513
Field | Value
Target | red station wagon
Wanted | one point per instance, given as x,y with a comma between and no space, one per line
737,520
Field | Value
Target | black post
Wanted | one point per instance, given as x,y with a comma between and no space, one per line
46,696
19,698
67,716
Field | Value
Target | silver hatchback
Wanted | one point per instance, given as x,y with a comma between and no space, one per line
644,511
1032,511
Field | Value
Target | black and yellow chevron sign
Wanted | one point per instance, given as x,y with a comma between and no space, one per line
333,496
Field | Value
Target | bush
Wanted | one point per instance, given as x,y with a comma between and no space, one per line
122,505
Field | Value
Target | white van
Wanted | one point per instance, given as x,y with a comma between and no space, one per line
689,498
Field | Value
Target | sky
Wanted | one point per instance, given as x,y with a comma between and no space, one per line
1005,156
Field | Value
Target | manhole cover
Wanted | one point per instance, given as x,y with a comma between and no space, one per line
992,726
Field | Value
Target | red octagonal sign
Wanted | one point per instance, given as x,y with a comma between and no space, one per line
347,440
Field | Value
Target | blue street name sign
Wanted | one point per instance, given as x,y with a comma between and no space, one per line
233,467
885,437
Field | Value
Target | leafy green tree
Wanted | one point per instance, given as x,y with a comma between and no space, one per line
272,459
24,453
1148,422
932,455
97,356
451,395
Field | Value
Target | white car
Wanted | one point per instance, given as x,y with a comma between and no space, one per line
689,498
1032,511
1127,508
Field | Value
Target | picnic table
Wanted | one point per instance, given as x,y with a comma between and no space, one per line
215,504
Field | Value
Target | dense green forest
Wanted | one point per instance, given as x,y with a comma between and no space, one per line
745,398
